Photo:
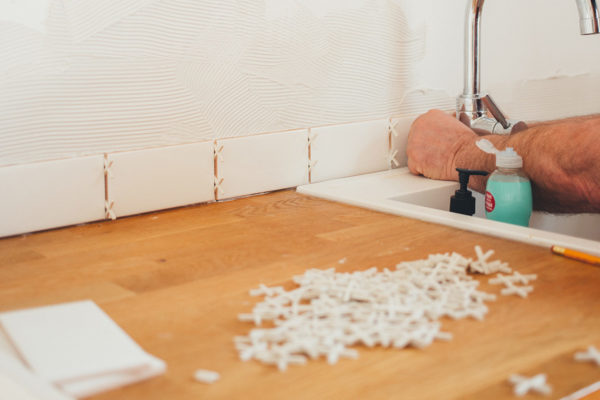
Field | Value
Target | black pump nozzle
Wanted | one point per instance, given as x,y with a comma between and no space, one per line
463,201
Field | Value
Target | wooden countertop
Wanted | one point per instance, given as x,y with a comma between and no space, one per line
176,281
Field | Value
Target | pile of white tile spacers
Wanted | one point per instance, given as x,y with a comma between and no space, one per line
331,311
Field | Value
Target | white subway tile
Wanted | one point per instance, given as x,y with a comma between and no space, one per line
352,149
260,163
156,179
51,194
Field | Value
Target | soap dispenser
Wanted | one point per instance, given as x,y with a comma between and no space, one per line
463,201
508,191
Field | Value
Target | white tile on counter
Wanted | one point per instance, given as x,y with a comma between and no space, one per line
18,382
78,347
70,341
51,194
255,164
94,385
160,178
399,128
351,149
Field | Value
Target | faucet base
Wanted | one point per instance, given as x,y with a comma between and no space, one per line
478,112
469,108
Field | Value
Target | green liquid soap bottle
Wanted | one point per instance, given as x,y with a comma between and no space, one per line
508,191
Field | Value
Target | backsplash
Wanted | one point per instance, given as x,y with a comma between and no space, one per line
89,77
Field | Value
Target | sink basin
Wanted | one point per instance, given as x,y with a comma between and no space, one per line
582,225
399,192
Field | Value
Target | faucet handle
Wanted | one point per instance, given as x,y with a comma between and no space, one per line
495,110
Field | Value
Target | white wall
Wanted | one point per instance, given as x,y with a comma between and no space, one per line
88,76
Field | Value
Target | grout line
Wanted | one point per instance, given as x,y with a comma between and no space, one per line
105,177
108,203
309,156
216,181
215,169
390,144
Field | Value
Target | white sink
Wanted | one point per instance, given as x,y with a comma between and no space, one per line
399,192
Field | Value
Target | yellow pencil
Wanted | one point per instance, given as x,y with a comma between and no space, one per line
576,255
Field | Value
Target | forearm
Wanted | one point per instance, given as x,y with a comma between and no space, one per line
562,159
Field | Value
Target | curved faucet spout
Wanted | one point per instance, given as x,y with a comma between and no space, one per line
472,47
589,19
471,105
589,23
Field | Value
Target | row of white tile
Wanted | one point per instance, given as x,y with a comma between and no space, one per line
65,192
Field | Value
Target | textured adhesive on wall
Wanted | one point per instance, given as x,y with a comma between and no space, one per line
115,75
123,75
550,98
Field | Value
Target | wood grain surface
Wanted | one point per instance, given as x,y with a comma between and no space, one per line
176,280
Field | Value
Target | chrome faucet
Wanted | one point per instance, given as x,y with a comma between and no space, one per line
478,111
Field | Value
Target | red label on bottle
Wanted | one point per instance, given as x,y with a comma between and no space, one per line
490,202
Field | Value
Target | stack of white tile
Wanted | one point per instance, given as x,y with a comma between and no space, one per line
74,347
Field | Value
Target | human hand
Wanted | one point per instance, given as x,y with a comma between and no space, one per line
433,142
